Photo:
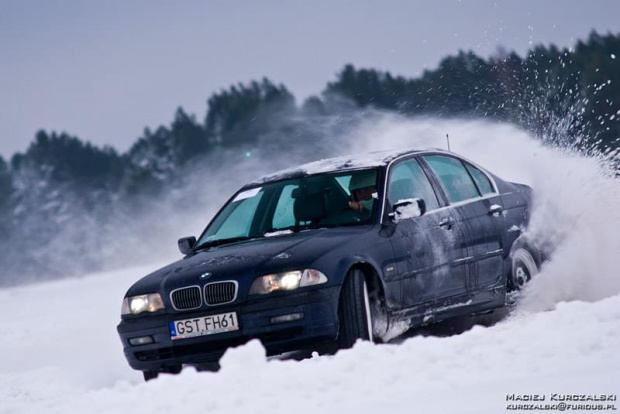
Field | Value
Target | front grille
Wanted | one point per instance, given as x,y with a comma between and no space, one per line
220,292
186,298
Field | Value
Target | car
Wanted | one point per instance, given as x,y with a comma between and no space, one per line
319,256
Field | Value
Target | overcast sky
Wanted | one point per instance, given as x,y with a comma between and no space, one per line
103,70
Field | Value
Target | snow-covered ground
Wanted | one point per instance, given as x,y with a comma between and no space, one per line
60,352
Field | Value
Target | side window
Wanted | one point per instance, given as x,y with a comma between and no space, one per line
408,180
453,176
482,181
283,216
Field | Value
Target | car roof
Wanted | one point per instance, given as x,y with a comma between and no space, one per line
343,163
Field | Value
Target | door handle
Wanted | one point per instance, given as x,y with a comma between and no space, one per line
446,222
496,209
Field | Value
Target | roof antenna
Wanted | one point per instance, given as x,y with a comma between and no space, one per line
448,139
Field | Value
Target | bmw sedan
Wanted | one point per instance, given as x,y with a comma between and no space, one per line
321,255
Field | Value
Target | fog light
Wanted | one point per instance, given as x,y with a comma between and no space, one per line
141,340
287,318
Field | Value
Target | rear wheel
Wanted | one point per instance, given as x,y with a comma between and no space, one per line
525,266
354,311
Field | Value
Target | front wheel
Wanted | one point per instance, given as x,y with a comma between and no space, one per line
354,311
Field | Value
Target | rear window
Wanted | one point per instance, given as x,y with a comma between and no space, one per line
482,181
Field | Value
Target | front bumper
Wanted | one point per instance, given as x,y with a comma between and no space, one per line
318,325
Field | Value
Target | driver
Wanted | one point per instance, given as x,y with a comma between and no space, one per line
363,189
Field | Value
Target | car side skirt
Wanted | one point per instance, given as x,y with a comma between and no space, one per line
460,305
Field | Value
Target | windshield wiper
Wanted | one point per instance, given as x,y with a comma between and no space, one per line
294,228
220,242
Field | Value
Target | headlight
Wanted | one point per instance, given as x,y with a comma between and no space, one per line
142,303
287,281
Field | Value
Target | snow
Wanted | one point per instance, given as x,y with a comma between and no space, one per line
344,163
247,194
429,316
278,233
61,353
408,211
68,359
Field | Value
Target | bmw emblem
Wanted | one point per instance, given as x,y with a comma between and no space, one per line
206,275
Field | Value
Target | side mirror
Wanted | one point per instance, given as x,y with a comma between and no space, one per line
186,244
407,209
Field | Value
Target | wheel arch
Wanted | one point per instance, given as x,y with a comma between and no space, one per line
523,242
371,275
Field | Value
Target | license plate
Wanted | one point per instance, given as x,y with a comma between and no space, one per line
204,325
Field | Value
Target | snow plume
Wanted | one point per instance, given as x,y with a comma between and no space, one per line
576,211
575,214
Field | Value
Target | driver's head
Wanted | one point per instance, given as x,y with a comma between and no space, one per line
363,185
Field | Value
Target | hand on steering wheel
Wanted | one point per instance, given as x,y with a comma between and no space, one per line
356,206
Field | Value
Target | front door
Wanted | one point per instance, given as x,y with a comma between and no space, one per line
429,248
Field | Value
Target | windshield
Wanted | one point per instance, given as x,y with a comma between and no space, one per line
326,200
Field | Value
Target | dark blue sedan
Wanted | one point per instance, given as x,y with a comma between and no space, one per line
319,256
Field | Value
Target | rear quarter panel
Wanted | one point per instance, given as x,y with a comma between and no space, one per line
516,201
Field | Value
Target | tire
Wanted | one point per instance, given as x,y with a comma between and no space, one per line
150,375
525,264
354,313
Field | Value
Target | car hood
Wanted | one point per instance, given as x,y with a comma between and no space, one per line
248,259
